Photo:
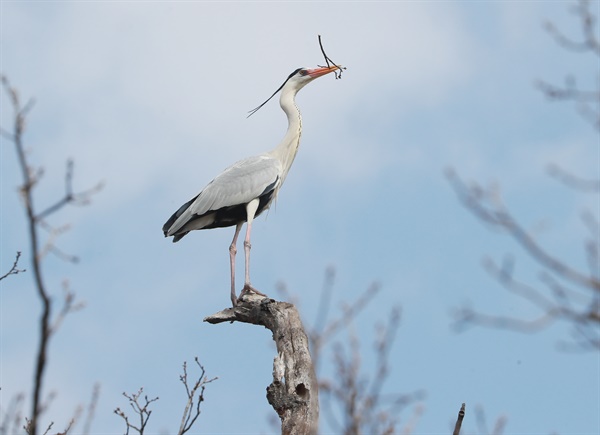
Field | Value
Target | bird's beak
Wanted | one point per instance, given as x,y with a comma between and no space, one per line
318,72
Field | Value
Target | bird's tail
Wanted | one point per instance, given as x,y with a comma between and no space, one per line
169,228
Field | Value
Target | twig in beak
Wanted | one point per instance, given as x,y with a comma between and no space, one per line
338,72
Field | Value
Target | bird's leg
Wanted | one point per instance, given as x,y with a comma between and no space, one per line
250,212
232,252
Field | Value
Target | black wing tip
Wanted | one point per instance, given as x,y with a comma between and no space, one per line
167,226
178,237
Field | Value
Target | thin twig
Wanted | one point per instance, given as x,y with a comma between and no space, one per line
30,177
572,181
349,312
590,41
12,418
363,407
325,302
338,71
69,306
26,189
81,198
588,101
497,216
14,270
189,418
91,409
569,295
142,410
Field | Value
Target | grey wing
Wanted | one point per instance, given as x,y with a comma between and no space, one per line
239,184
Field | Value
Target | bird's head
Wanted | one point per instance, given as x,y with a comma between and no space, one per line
302,76
298,79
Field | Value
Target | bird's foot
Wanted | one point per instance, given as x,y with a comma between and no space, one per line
249,289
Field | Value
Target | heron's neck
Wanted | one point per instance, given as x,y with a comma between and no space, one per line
288,147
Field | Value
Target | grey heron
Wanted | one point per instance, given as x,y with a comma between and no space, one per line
248,187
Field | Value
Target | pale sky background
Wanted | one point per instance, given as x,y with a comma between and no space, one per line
151,98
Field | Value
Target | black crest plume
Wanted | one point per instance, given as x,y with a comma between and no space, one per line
253,111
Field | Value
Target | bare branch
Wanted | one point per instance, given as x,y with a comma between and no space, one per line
569,295
349,312
293,393
352,402
325,302
338,72
459,420
91,411
589,42
81,198
488,207
142,409
12,418
48,429
34,219
569,91
504,275
409,427
14,270
482,424
383,345
466,316
26,189
588,101
362,405
191,413
572,181
67,429
69,306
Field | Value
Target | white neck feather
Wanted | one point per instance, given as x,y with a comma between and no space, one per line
288,147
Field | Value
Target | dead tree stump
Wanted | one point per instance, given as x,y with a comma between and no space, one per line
294,393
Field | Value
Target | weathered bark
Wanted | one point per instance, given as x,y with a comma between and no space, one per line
294,392
459,420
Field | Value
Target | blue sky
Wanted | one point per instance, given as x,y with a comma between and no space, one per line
151,98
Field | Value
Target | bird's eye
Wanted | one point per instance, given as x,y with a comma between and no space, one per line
303,72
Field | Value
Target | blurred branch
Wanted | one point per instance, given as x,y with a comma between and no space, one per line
588,101
568,294
363,406
573,181
482,424
357,397
325,302
488,207
14,270
12,417
409,427
70,305
589,41
35,220
91,411
323,333
15,414
80,199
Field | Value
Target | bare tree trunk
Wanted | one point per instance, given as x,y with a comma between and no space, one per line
293,393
